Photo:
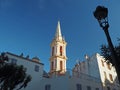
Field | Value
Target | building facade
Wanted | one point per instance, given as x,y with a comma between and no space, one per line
94,73
68,82
96,66
34,68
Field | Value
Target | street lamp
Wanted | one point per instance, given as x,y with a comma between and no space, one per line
101,14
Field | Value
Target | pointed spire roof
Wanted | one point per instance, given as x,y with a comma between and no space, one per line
58,35
58,31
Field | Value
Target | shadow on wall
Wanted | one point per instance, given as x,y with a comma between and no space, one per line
112,84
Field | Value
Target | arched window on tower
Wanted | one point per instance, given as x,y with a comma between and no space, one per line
52,65
61,65
61,50
52,51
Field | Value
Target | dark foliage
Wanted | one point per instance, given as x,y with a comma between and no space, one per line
11,75
105,51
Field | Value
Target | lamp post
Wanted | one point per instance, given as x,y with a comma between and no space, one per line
101,14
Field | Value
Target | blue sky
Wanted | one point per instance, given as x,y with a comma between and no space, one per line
29,26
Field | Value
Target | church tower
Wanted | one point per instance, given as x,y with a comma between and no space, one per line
58,53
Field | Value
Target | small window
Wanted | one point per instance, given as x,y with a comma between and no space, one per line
108,88
47,87
111,78
36,68
96,88
14,61
108,65
88,88
78,86
102,63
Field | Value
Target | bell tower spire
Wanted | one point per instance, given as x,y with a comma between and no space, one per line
58,30
58,34
58,53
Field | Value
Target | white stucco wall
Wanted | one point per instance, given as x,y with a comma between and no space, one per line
70,83
93,67
36,76
107,81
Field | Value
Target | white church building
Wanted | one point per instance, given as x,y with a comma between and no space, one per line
94,73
